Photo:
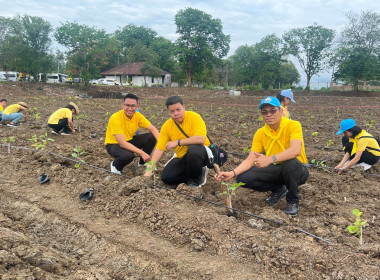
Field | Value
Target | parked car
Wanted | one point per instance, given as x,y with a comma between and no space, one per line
108,82
93,82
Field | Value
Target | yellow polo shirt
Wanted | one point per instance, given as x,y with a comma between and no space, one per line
14,108
364,143
63,113
1,108
287,131
285,112
192,124
120,124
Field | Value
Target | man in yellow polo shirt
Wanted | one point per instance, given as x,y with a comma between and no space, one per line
14,113
276,160
62,119
122,142
189,163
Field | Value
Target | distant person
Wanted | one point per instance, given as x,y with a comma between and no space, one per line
285,97
359,147
121,141
276,160
62,119
3,104
14,113
189,164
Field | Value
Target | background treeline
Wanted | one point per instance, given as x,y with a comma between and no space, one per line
198,55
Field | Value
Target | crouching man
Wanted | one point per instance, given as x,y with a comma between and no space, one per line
275,162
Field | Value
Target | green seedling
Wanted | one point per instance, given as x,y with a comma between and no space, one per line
5,141
357,227
230,190
329,143
260,118
107,114
40,142
37,116
244,125
246,150
314,133
239,134
370,123
151,167
78,152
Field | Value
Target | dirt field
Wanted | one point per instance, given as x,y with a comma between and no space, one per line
133,230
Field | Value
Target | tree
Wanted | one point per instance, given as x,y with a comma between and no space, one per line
148,69
201,41
357,58
25,44
90,51
260,63
287,76
311,46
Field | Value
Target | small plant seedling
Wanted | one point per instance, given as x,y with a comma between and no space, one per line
357,227
370,123
239,134
230,191
329,143
260,118
77,154
37,116
40,142
151,167
246,150
107,114
5,141
315,133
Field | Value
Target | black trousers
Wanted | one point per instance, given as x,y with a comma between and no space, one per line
145,141
186,169
290,173
62,124
366,157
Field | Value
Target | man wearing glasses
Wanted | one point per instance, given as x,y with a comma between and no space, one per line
121,141
275,162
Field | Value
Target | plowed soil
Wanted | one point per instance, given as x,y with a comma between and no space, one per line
133,229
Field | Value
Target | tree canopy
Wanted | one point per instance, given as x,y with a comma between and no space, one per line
201,43
311,46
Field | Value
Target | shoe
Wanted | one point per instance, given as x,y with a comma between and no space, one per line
203,179
193,185
12,125
275,197
114,170
54,132
140,165
65,133
292,209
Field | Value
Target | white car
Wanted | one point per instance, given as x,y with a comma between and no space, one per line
2,77
108,82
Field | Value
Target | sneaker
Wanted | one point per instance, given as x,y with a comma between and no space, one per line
275,197
114,170
65,133
203,178
140,164
292,209
193,185
12,125
54,132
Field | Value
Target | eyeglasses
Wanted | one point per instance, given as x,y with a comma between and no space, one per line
271,111
130,105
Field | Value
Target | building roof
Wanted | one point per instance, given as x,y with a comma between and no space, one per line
128,69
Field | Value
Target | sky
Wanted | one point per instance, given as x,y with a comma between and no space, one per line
246,21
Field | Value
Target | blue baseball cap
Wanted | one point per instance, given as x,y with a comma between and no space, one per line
270,101
345,125
288,93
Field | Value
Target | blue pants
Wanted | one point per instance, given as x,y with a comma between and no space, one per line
14,117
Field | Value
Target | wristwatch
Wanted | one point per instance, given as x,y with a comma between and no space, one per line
274,159
179,142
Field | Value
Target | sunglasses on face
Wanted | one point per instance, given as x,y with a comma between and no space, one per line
271,111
